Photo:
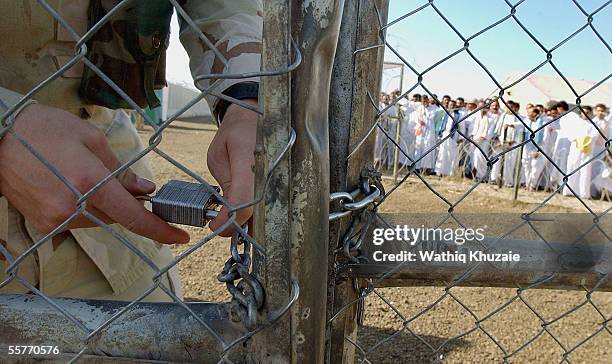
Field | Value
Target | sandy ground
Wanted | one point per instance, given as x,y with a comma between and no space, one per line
384,335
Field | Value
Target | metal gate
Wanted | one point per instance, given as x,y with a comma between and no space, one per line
301,282
361,299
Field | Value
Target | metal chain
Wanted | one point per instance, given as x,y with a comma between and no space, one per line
371,188
362,210
246,291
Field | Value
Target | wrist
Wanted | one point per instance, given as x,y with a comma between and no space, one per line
238,115
240,91
233,108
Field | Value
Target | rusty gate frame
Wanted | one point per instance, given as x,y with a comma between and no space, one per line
357,76
292,163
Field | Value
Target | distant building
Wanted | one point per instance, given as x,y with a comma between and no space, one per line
176,96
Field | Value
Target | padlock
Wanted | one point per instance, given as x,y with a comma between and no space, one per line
184,203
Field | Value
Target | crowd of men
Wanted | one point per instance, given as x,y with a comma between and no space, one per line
472,143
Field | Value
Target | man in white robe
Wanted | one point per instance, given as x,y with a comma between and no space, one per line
495,138
447,152
494,115
466,148
411,115
549,139
567,123
425,136
533,161
602,169
480,135
511,131
394,116
604,123
440,114
582,137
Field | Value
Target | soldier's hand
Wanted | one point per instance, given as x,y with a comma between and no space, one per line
231,161
82,155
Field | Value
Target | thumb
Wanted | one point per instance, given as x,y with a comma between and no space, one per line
238,191
135,184
236,195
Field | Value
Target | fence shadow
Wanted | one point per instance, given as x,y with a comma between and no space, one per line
404,347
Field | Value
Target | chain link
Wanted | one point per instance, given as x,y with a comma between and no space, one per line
362,210
242,285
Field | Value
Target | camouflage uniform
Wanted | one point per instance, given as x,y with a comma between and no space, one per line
90,263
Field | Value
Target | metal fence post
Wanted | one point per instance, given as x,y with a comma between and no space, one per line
398,135
356,73
270,218
164,331
518,169
316,29
296,214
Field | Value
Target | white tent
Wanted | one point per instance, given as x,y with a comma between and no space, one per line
538,89
176,96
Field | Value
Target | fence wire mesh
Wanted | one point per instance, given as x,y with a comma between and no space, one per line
472,153
245,290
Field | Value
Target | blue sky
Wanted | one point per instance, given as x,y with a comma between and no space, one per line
424,38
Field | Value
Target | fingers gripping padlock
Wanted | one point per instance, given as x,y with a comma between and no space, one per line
185,203
195,204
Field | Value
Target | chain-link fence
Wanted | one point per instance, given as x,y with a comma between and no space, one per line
365,312
448,176
69,330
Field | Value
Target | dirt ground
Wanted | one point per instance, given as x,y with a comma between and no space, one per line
381,336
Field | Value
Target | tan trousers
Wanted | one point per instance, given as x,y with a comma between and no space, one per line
67,271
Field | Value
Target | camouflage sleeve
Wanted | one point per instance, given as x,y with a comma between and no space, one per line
235,29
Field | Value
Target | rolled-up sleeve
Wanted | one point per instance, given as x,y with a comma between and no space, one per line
235,29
